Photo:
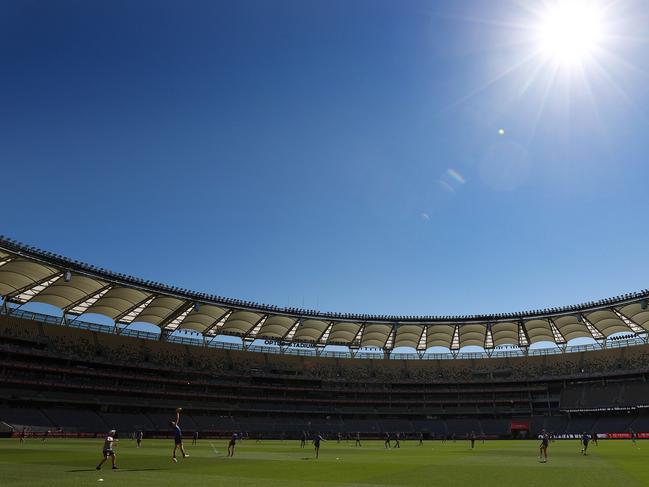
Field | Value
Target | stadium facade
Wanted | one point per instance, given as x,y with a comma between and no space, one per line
64,372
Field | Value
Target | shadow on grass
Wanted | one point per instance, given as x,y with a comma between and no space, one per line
117,471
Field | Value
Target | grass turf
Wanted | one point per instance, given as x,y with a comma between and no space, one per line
276,463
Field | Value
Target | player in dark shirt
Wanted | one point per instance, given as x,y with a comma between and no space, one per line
195,438
472,439
421,438
316,443
303,439
543,447
585,439
397,443
358,439
593,437
232,444
138,437
387,440
178,437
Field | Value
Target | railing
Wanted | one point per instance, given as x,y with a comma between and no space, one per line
299,351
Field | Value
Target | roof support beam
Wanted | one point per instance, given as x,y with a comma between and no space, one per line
136,310
32,286
252,333
488,339
291,331
455,340
389,343
633,326
180,311
88,300
218,323
523,337
558,337
6,259
325,334
421,344
594,332
356,342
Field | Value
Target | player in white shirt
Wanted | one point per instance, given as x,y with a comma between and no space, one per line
108,450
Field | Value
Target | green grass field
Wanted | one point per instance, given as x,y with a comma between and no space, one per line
275,463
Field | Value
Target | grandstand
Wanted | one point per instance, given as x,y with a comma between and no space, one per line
66,373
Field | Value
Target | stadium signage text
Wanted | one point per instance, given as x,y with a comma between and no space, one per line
289,344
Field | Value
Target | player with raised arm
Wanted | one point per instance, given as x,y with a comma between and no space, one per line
316,443
178,437
108,450
232,444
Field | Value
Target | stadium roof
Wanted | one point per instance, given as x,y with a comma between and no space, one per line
28,274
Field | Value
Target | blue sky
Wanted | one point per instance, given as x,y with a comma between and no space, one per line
337,155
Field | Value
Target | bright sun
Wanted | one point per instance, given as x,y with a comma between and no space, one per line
570,31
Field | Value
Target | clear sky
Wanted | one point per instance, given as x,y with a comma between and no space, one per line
356,156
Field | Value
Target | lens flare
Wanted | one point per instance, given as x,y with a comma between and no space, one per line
570,31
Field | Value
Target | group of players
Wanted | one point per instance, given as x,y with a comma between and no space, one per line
584,439
109,441
108,450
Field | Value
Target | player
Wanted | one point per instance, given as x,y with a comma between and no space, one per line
543,447
108,450
387,440
358,439
472,439
453,437
593,437
195,438
47,433
397,443
634,437
316,443
232,444
303,439
138,437
420,436
340,437
584,443
178,437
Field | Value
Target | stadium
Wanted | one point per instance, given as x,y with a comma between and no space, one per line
65,377
324,243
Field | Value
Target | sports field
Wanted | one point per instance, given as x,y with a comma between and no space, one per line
275,463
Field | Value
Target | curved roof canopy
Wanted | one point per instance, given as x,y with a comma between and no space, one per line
31,275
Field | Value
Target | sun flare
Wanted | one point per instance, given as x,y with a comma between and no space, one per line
570,32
